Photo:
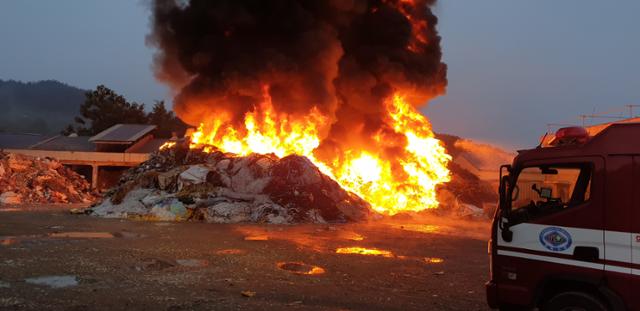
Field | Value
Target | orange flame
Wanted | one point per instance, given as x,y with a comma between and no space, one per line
167,145
374,177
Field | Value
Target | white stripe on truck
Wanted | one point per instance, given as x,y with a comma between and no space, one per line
570,262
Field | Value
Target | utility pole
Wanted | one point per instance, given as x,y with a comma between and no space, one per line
631,109
583,118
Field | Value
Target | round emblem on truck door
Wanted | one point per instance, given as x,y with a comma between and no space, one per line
555,239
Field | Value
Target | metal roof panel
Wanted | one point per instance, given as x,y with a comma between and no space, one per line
124,133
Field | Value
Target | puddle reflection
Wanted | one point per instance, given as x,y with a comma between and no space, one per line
300,268
364,251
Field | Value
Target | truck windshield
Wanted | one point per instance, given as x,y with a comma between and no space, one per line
543,190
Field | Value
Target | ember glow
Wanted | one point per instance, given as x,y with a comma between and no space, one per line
339,82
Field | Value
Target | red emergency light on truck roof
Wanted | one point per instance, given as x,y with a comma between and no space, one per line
570,136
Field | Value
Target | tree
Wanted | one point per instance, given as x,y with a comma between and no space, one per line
102,108
166,122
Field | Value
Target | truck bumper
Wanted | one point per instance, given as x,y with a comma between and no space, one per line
492,294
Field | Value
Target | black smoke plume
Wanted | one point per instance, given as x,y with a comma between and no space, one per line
343,57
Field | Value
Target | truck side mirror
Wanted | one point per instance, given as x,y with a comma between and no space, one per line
507,234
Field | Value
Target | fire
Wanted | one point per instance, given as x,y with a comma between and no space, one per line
265,131
405,181
167,145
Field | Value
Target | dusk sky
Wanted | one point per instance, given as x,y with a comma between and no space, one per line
514,66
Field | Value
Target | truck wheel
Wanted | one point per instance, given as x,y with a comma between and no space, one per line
574,301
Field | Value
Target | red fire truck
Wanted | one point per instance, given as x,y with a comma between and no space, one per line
566,235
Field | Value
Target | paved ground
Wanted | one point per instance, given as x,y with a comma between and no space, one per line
133,265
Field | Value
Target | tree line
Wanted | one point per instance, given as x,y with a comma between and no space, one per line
103,108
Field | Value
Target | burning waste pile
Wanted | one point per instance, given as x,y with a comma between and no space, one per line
178,183
26,179
329,95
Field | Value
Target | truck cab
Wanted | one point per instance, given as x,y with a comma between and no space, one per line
566,235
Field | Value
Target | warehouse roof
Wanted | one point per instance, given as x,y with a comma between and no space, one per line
19,140
65,143
123,133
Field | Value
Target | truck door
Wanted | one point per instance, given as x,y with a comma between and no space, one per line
619,202
557,224
634,302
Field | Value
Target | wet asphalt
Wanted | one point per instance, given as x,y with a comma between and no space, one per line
53,260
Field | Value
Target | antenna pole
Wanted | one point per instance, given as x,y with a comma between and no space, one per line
631,109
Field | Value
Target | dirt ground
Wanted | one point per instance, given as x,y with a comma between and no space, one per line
52,260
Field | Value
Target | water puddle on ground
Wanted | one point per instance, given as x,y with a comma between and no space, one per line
420,228
192,263
153,264
260,237
364,251
433,260
128,235
300,268
351,236
8,240
54,281
81,235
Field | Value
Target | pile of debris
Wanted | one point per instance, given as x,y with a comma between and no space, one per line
179,183
27,180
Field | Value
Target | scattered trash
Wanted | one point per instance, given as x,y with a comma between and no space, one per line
82,235
25,179
469,210
183,184
300,268
10,197
248,293
79,211
54,281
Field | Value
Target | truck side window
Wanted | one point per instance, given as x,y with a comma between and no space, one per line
543,190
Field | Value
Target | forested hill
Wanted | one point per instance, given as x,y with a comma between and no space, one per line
38,107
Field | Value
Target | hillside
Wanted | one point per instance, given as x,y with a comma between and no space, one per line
38,107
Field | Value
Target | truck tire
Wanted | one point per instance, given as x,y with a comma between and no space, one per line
574,301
